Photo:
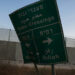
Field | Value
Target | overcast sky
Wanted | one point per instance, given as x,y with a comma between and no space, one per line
66,9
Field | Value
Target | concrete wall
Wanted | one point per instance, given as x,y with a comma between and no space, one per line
71,55
19,56
7,50
10,51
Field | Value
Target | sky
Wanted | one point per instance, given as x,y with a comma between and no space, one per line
66,10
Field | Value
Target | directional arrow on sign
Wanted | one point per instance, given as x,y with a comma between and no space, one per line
49,41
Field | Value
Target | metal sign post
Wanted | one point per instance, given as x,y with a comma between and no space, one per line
37,71
53,69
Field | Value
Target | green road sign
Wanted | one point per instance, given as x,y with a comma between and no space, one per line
39,29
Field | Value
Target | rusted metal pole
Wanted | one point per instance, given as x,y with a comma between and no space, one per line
53,70
37,71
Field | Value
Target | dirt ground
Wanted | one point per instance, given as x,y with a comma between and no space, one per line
24,70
